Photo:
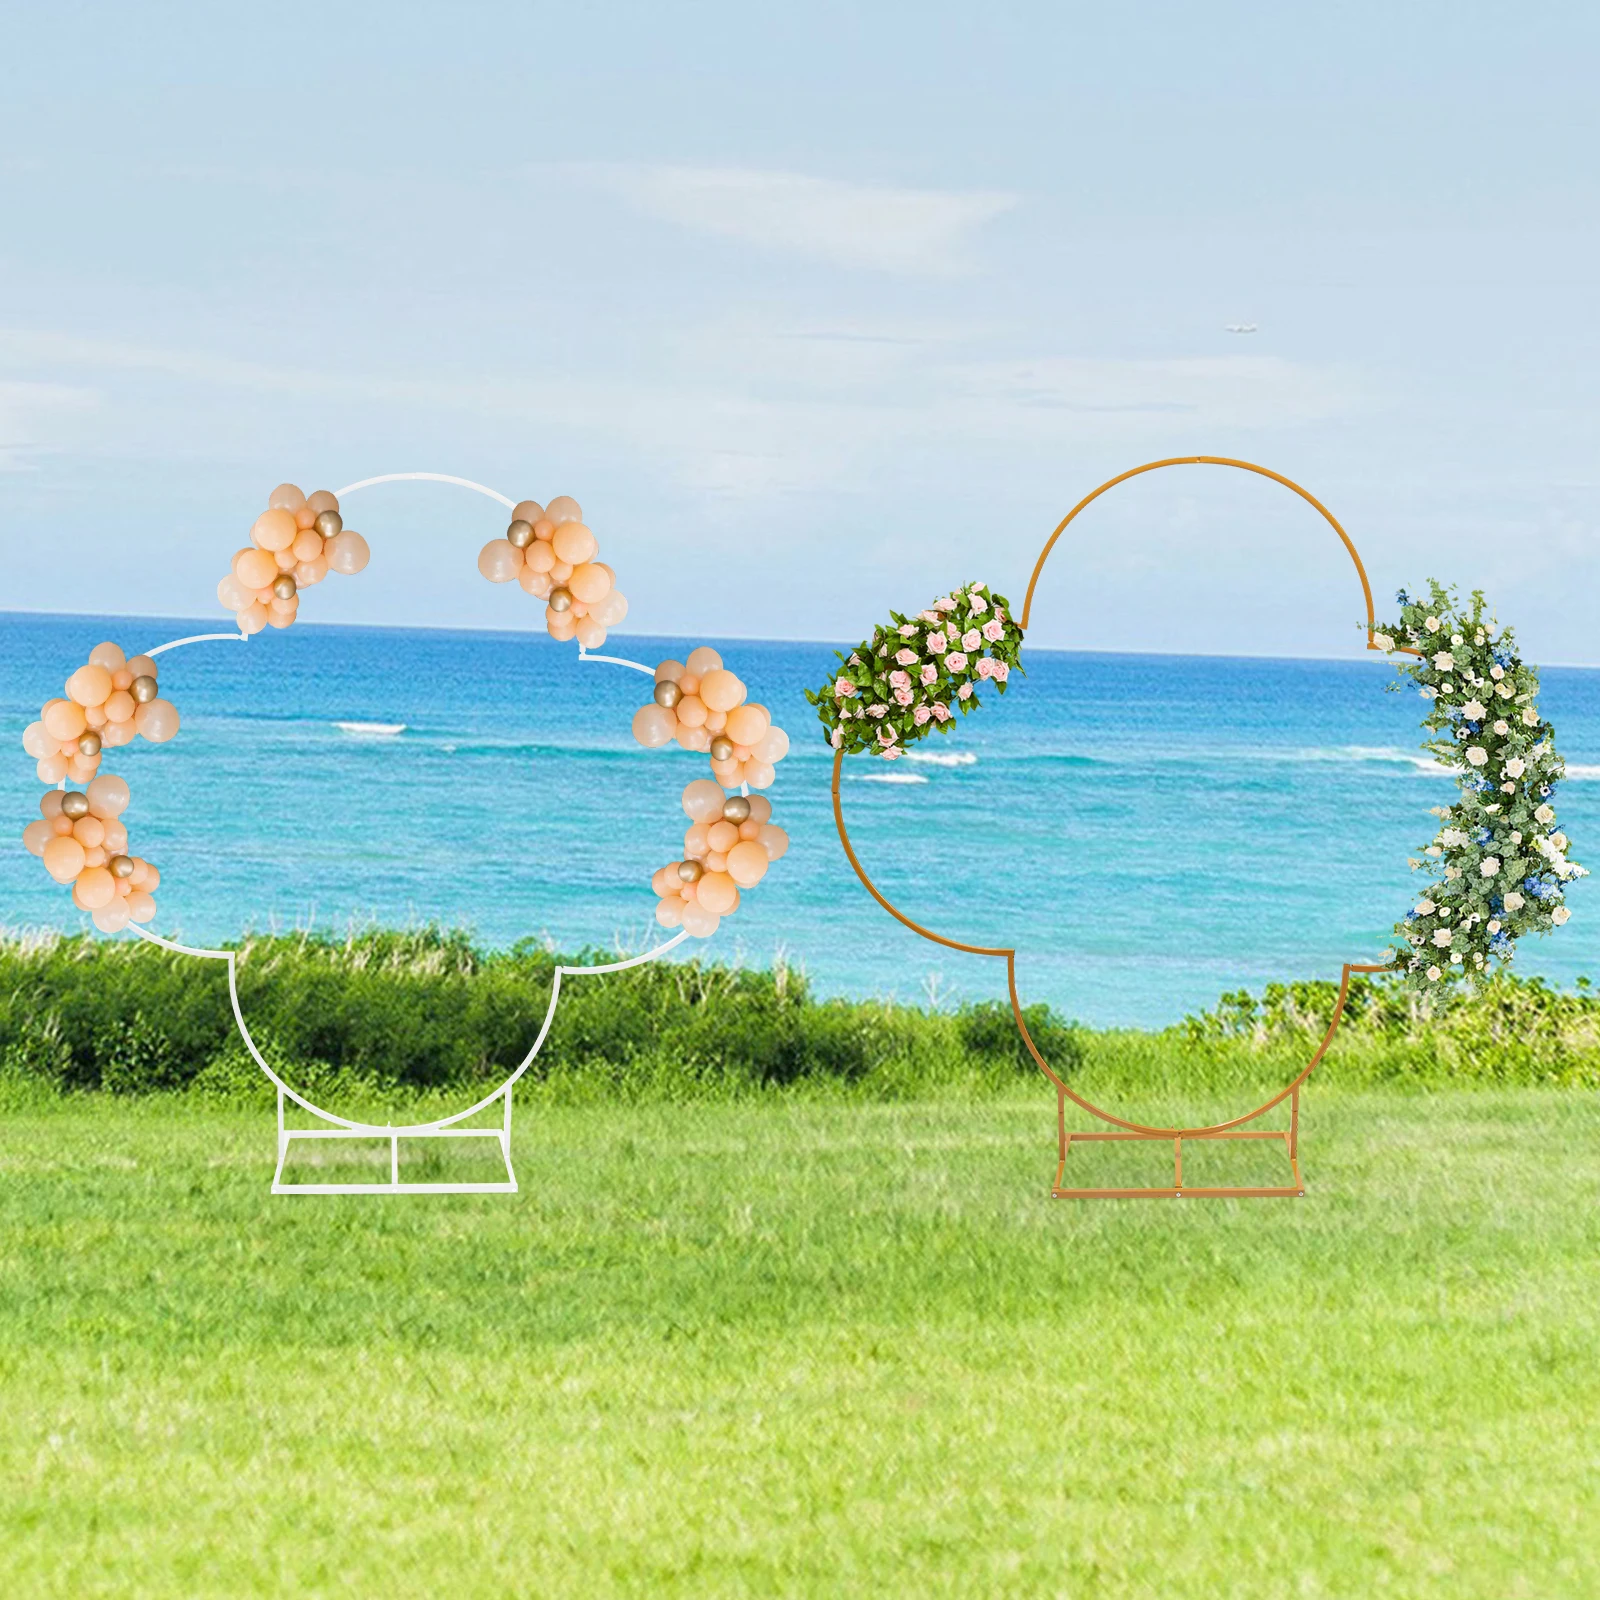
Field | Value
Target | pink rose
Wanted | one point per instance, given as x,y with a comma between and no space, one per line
920,715
902,697
891,755
930,617
887,736
1000,613
964,692
905,657
978,588
955,662
908,630
877,711
937,644
929,673
944,603
986,668
941,711
992,630
837,739
972,640
976,600
1001,672
899,679
844,688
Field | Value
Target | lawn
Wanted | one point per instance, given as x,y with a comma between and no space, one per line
799,1346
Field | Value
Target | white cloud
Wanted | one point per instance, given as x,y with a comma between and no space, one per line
30,414
918,231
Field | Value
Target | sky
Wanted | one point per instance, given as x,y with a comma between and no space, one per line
818,310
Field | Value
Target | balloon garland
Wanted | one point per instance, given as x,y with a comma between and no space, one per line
1498,866
294,544
915,673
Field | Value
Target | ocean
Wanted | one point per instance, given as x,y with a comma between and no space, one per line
1148,830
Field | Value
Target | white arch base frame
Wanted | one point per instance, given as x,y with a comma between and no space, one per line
445,1127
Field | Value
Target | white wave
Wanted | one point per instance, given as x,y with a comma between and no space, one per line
943,758
371,729
893,777
1583,772
1391,754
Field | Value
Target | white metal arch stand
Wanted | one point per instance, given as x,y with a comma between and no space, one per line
444,1127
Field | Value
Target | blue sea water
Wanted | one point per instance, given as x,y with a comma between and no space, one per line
1147,830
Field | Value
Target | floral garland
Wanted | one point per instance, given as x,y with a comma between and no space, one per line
1498,865
915,673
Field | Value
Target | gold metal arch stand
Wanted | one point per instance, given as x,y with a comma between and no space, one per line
1235,1129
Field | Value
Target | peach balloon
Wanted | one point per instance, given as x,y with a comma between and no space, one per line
64,719
285,559
721,690
561,570
499,561
141,907
124,887
687,892
108,655
305,518
89,686
96,887
748,723
700,922
772,746
542,531
533,581
759,774
280,619
653,726
747,864
63,858
50,803
703,660
669,669
108,795
348,552
37,835
152,879
702,799
529,511
760,809
287,607
95,716
560,625
36,741
112,917
309,573
287,496
143,667
775,842
749,829
573,542
58,823
307,544
116,836
670,911
156,720
695,739
588,583
274,530
691,710
540,557
81,768
716,861
695,842
589,633
665,880
94,855
233,596
116,734
89,831
323,500
716,891
563,509
688,682
723,834
254,569
253,618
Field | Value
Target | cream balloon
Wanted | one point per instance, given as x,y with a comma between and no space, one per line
702,660
670,910
771,747
563,509
775,842
759,774
499,560
37,835
611,608
141,907
108,795
109,656
669,669
156,720
36,741
703,801
700,922
112,917
232,594
348,552
286,497
589,633
323,500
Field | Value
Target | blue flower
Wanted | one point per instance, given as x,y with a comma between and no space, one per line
1401,598
1483,836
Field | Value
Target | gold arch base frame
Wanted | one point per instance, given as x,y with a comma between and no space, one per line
1236,1129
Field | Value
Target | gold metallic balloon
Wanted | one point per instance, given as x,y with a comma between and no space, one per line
721,747
284,586
74,804
89,743
329,523
121,866
736,808
520,533
668,694
690,871
144,689
560,599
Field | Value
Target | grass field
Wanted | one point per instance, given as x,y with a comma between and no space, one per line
799,1347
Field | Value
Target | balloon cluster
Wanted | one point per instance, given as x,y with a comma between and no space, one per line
109,701
729,845
549,551
296,542
82,842
702,705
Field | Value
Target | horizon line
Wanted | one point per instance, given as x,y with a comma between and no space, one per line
738,638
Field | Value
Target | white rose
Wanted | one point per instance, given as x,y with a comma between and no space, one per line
1383,641
1474,711
1429,693
1503,690
1443,937
1559,915
1559,840
1489,866
1502,727
1515,767
1494,926
1424,908
1545,814
1530,717
1433,850
1497,672
1444,661
1452,873
1516,836
1433,624
1451,837
1434,974
1514,901
1477,755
